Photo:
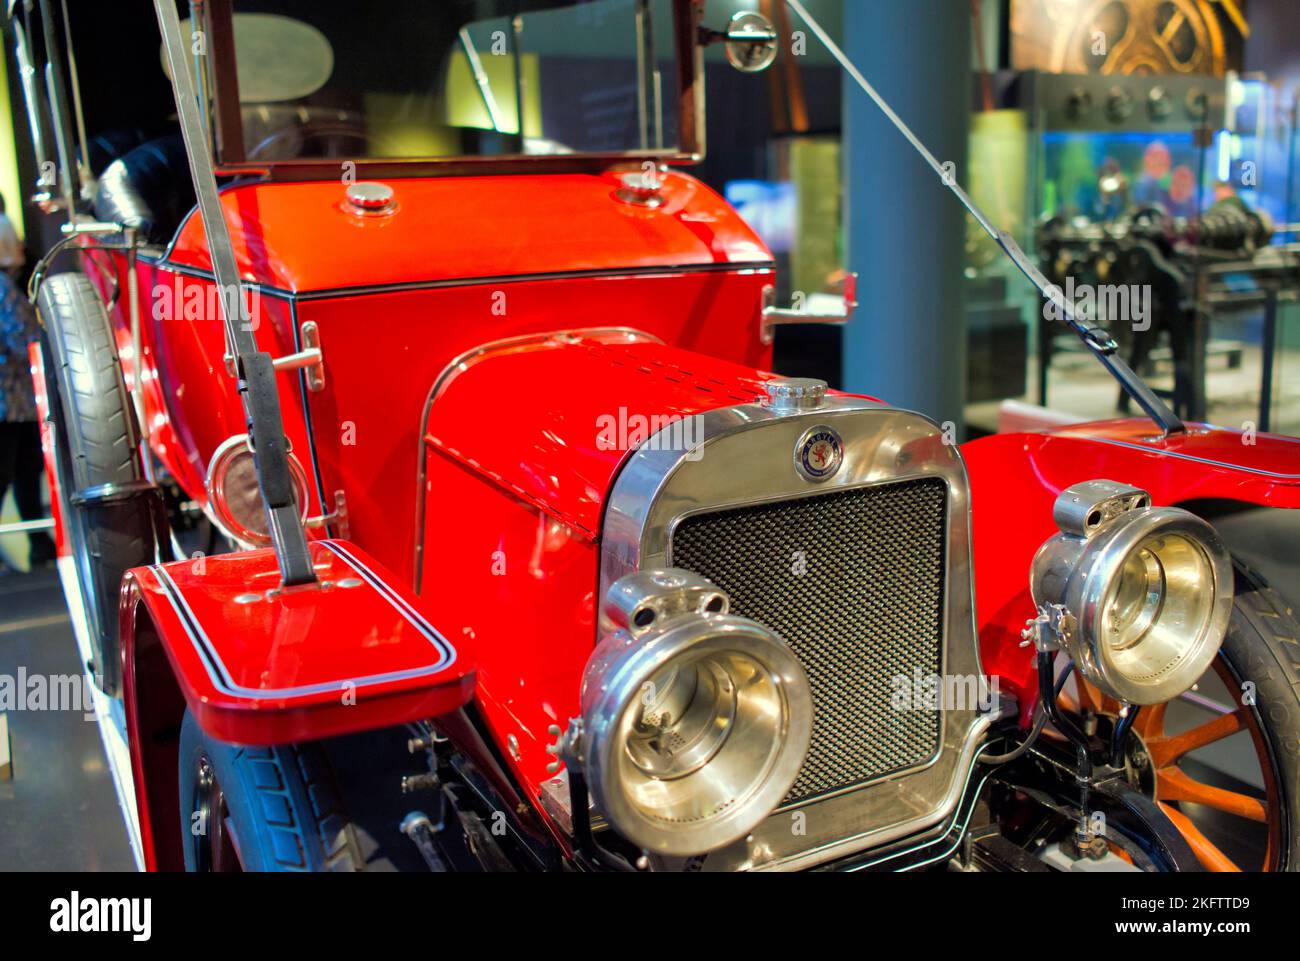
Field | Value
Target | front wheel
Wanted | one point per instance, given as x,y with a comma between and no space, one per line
261,808
111,515
1231,822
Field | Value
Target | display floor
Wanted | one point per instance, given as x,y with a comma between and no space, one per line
59,811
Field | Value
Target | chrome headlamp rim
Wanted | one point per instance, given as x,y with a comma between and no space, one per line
615,679
219,509
1093,581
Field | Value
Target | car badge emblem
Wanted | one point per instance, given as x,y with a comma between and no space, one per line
819,454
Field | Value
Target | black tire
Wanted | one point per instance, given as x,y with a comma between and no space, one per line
110,515
1262,647
280,804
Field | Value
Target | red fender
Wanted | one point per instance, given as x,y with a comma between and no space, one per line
257,664
1015,479
48,441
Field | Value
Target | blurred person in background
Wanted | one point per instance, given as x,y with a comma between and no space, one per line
20,438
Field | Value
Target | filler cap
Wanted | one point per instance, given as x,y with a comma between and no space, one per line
795,393
370,197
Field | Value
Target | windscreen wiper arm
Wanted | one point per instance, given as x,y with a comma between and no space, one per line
254,367
1096,339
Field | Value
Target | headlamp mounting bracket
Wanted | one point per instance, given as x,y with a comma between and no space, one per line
1085,508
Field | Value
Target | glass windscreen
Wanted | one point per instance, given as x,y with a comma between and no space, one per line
397,79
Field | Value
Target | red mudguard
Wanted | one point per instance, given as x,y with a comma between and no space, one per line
260,665
47,444
1015,479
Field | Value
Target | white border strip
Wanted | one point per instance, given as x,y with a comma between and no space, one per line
110,714
222,680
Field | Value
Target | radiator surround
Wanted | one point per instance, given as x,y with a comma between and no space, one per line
745,458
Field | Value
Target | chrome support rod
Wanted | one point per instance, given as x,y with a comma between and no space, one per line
198,21
1097,340
24,527
57,96
74,83
481,79
257,387
27,77
137,350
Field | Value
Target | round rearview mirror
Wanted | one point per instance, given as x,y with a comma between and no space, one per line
751,42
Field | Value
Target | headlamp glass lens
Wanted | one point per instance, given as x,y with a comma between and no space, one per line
702,736
1158,609
1138,599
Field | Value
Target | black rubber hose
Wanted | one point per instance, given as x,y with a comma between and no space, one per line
1035,729
1123,724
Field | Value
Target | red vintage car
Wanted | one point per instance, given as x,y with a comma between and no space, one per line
425,493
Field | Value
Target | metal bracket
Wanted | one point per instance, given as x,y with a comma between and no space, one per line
338,518
1084,508
309,359
774,315
1047,632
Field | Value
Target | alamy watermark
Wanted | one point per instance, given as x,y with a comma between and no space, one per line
1112,303
920,691
623,431
203,302
46,692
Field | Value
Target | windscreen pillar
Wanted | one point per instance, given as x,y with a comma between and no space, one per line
904,231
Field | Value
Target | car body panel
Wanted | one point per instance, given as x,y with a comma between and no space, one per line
598,398
385,351
305,237
1015,479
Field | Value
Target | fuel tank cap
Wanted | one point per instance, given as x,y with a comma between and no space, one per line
795,393
370,197
641,189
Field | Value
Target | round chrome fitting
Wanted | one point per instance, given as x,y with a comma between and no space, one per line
695,722
751,45
234,497
641,189
794,393
370,197
1148,591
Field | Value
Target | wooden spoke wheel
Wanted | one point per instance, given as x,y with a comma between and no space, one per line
1158,754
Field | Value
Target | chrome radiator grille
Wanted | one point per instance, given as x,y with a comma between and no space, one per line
854,583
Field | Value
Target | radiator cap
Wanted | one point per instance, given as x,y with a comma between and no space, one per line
795,393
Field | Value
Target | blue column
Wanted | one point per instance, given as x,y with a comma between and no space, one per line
904,230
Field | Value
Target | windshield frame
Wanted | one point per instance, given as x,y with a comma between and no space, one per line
227,134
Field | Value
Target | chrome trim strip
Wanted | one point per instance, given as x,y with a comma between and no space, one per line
868,839
460,363
329,293
974,795
220,675
1187,457
731,467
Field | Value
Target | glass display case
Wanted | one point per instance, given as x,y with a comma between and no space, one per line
1164,204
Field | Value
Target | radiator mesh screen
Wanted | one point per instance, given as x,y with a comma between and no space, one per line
853,581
